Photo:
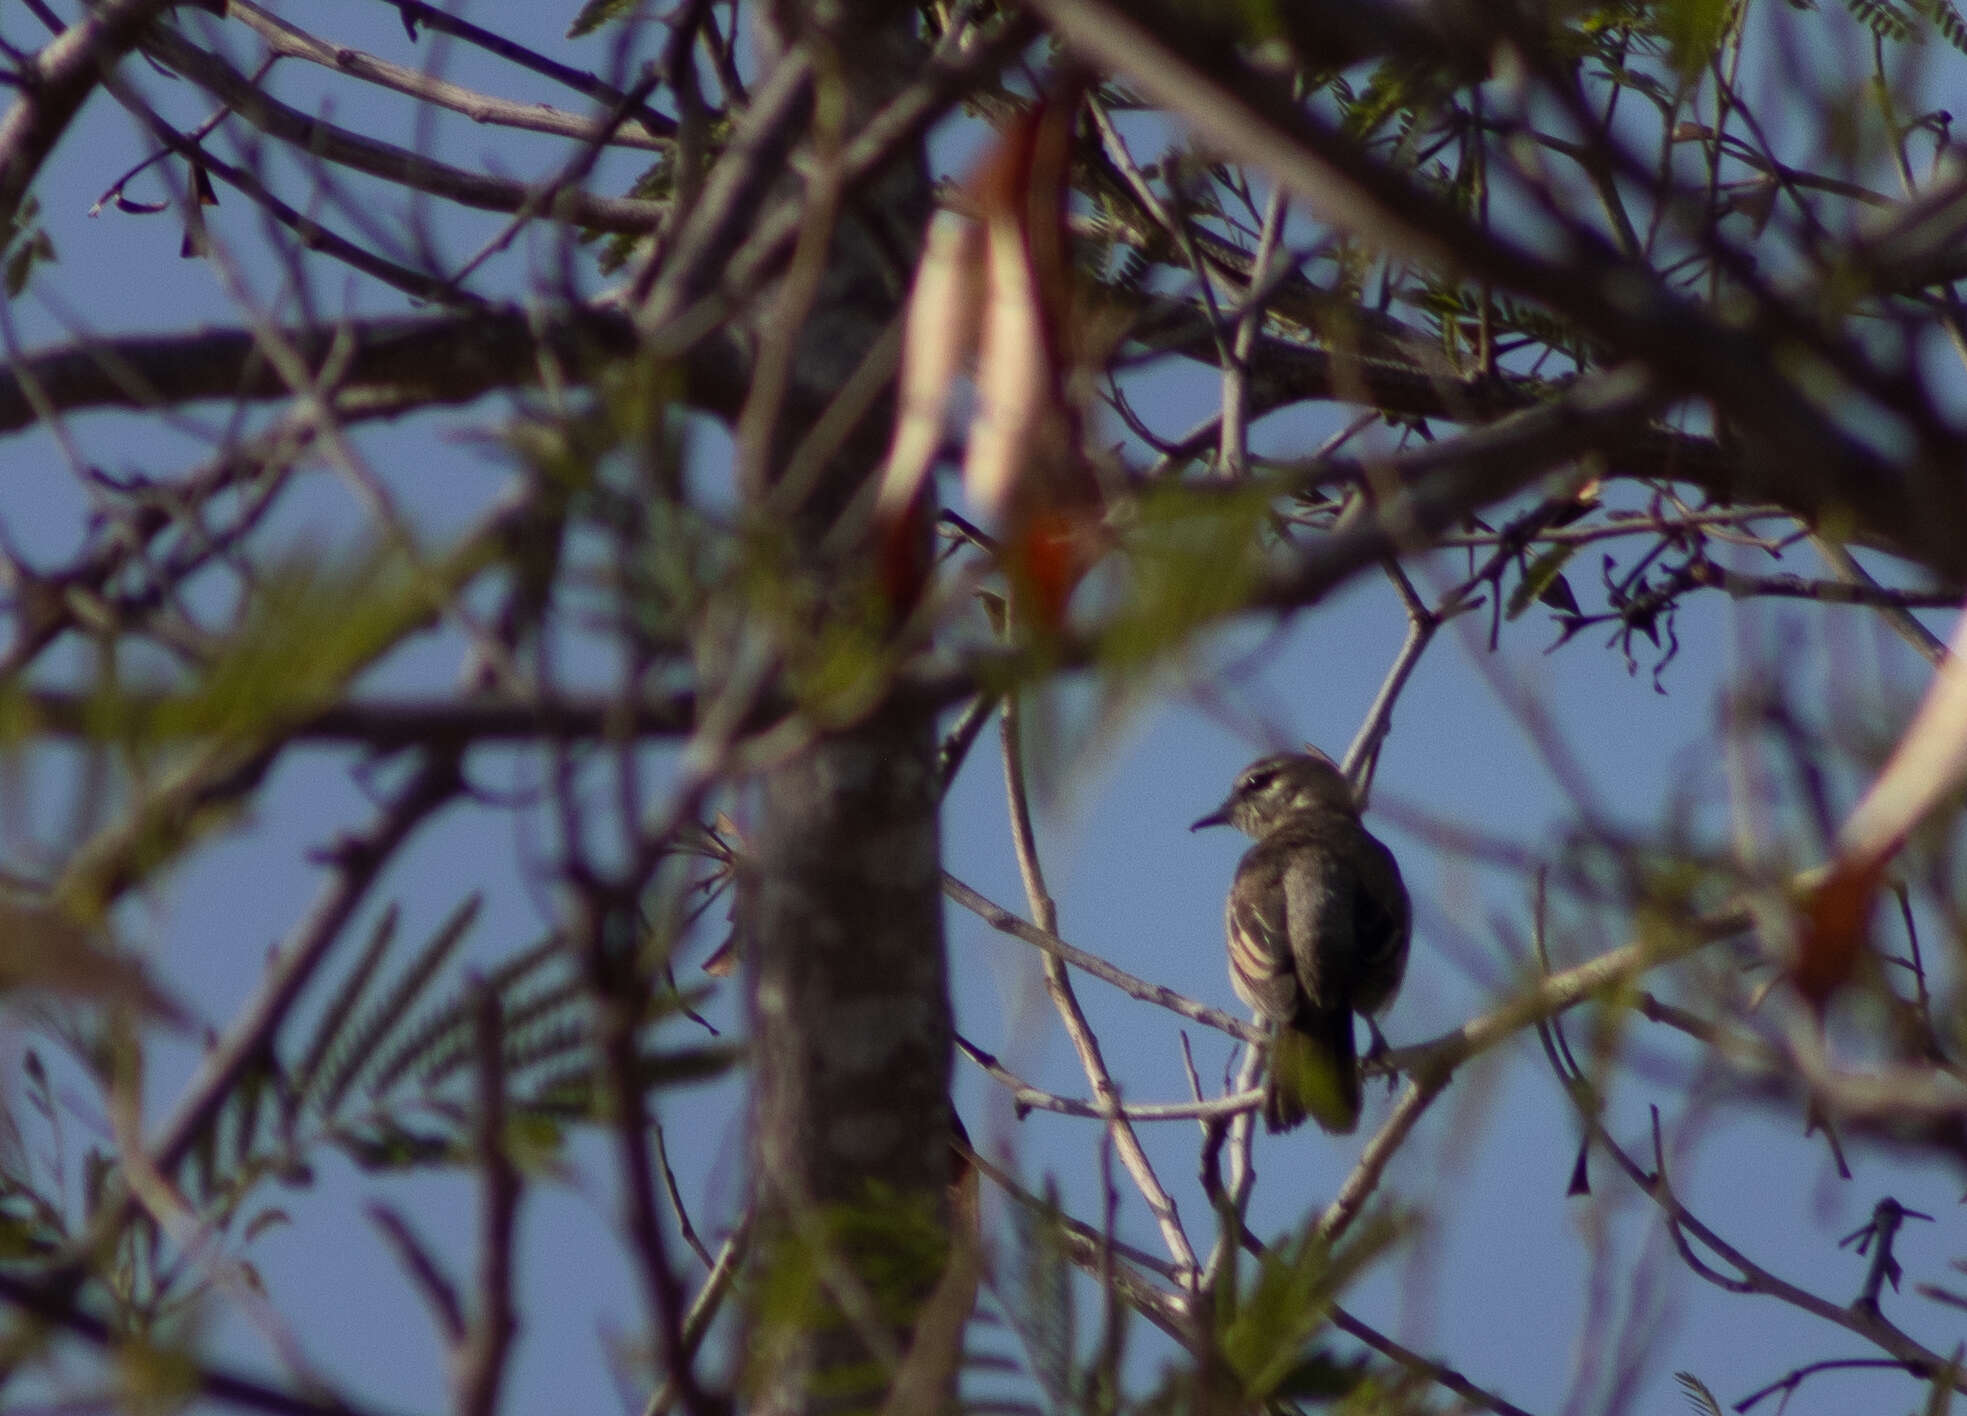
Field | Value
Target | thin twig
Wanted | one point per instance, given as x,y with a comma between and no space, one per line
674,1193
1159,1202
357,861
1867,1323
703,1308
421,1265
1929,645
1437,1372
1362,757
1233,453
1026,1097
1373,1160
48,1303
1796,1378
482,1356
648,129
1005,922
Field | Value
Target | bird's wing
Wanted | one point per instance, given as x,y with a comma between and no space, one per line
1258,922
1383,921
1382,924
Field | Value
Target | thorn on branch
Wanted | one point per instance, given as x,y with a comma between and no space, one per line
1886,1218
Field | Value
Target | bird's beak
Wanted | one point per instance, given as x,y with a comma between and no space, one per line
1218,817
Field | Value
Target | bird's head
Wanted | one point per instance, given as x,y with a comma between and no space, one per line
1283,785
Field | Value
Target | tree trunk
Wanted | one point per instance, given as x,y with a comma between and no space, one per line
849,1004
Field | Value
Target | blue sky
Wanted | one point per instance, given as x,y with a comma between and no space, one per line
1521,1288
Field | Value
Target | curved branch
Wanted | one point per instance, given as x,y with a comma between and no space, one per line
414,170
53,85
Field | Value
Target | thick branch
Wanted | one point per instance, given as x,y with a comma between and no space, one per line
447,358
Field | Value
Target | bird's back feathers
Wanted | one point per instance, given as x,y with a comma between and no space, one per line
1318,922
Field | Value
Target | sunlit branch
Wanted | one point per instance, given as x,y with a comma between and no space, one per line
1002,920
647,129
1024,839
1026,1097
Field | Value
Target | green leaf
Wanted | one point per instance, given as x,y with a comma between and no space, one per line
1544,580
1192,558
1323,1377
389,1145
24,1230
596,13
1266,1331
1389,90
1694,30
311,628
534,1143
26,246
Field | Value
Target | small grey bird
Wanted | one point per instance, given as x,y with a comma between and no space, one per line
1318,923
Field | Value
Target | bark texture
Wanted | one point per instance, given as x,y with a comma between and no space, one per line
850,1014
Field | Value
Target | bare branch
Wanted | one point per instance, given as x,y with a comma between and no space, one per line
646,129
54,84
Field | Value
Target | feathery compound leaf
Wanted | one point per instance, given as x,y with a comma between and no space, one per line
1040,1308
375,1031
574,1095
327,1033
444,1039
310,628
546,1024
1697,1394
1884,19
552,1036
1945,17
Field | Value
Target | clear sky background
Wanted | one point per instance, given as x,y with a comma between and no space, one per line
1535,1295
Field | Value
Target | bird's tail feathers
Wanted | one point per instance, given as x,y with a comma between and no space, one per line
1313,1072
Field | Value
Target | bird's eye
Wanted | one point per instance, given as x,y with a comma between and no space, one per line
1257,781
